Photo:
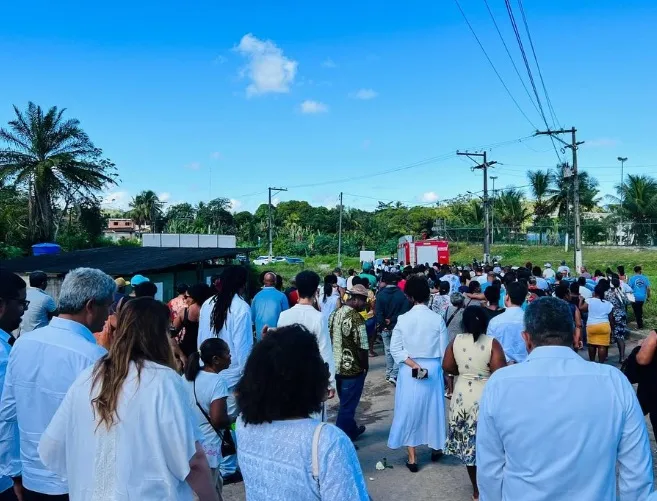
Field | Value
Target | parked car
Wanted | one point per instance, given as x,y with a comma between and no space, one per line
294,260
261,260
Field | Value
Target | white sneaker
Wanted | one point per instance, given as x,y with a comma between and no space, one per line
392,381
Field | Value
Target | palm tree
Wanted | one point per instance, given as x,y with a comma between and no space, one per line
541,189
588,191
146,208
55,160
510,209
639,197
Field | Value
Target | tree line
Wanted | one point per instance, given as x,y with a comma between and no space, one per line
52,176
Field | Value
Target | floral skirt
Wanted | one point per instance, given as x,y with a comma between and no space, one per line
462,434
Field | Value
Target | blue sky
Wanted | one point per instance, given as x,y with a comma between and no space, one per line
225,100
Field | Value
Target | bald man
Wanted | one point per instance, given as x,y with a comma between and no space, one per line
267,305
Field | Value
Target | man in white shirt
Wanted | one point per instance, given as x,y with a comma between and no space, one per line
507,327
304,313
583,290
42,367
12,307
563,269
548,272
530,446
42,306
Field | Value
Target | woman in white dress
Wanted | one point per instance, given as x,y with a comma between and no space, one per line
418,344
124,429
208,392
284,454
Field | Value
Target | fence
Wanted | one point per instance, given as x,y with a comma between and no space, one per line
593,233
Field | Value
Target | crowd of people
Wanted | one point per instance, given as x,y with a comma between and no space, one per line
110,396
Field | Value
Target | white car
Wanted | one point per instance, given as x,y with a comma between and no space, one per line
265,260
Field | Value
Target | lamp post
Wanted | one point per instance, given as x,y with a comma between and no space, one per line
622,160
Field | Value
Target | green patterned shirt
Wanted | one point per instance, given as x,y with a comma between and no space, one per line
349,336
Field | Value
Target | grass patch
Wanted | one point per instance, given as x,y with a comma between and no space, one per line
594,258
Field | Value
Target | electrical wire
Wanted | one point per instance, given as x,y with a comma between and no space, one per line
555,121
508,53
493,65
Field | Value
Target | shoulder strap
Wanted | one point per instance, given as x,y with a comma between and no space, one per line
207,417
452,316
315,451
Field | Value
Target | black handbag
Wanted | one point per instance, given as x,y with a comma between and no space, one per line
228,447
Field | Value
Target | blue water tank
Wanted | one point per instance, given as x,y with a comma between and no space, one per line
44,249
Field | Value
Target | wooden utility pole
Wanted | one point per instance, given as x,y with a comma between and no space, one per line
340,235
492,212
484,165
276,190
573,145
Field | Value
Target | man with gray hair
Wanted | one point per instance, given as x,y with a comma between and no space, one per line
42,366
555,426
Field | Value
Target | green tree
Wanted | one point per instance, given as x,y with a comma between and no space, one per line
53,159
563,191
146,208
510,209
639,205
540,187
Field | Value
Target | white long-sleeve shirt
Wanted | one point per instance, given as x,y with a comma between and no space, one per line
237,332
313,320
5,349
419,333
43,365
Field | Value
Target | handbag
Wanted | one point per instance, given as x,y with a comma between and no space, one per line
228,447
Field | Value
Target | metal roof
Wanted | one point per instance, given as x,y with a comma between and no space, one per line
119,260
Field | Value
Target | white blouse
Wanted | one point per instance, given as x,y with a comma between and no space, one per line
145,455
420,333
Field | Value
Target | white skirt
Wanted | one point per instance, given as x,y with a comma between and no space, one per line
419,407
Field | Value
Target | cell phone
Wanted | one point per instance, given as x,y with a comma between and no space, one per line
420,373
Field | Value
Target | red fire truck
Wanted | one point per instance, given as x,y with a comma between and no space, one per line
414,252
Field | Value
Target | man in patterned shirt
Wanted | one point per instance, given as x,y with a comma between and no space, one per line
350,347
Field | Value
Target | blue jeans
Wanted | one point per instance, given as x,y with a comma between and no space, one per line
391,367
349,391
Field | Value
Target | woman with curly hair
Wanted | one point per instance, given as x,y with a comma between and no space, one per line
473,356
124,429
283,453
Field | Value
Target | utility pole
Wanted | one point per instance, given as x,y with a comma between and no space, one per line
484,165
573,145
340,235
492,213
275,190
622,160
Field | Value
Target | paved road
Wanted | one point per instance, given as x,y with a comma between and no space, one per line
443,481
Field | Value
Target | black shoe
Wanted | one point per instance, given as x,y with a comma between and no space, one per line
412,467
436,455
361,429
234,478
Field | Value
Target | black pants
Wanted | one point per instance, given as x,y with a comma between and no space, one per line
37,496
8,495
637,306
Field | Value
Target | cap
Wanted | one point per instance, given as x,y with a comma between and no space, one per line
358,290
138,279
121,282
548,265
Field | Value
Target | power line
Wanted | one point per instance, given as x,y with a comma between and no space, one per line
492,65
508,53
555,121
514,25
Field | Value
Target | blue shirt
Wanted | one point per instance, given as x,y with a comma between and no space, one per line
266,307
507,328
5,348
541,283
42,367
554,428
639,284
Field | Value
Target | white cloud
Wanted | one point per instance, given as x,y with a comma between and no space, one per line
602,142
429,197
215,155
275,201
364,94
164,197
116,200
193,166
235,205
267,68
310,107
329,63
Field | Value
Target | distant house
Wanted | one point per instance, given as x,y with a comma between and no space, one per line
119,229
